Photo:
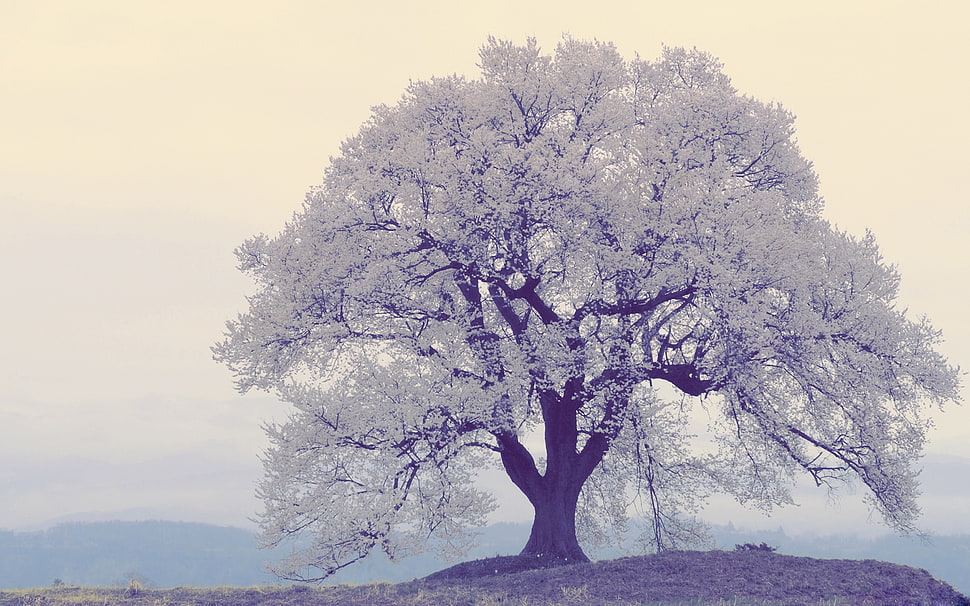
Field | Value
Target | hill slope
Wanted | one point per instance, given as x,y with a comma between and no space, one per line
708,576
712,578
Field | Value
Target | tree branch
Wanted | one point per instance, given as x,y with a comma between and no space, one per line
518,463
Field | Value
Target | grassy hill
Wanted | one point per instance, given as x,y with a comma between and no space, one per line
171,554
687,578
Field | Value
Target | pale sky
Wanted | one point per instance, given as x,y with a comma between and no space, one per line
141,142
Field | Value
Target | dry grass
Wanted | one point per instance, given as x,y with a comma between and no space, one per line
715,578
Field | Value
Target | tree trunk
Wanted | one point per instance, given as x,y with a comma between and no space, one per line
555,493
554,526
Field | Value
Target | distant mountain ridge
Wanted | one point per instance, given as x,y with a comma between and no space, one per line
170,554
106,553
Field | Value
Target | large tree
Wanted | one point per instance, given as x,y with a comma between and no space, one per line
557,266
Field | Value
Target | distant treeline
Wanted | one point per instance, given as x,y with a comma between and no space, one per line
108,553
170,554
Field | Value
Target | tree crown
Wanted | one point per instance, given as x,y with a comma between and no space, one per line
534,250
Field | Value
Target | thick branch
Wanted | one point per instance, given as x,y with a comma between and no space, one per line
482,341
527,292
519,464
504,307
684,377
629,307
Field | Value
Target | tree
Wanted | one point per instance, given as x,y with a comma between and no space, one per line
554,266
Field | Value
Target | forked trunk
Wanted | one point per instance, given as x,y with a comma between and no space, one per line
555,493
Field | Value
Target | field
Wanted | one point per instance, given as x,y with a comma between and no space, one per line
712,578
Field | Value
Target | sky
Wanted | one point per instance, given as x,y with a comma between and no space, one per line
141,142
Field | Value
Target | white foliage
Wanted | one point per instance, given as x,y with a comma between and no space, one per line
561,233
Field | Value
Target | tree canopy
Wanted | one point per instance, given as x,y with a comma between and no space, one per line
508,270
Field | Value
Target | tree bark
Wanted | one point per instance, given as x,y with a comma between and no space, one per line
554,525
554,494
